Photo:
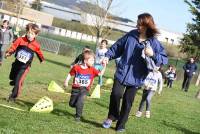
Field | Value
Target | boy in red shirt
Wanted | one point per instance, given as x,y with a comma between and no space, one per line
84,75
24,49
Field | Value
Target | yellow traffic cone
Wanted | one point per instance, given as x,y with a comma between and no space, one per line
54,87
109,81
44,105
96,92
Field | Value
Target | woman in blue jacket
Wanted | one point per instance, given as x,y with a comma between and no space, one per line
132,69
190,69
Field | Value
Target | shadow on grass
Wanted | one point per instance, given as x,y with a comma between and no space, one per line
101,104
60,112
95,124
23,103
178,127
57,63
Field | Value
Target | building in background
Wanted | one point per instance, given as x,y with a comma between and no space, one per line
50,10
118,23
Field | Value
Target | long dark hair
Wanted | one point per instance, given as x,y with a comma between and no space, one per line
147,21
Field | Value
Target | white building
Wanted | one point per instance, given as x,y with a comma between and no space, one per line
68,14
92,20
61,12
170,38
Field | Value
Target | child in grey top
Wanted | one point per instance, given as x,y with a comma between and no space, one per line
100,55
6,37
151,84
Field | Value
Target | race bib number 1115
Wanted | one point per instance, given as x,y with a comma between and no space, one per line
23,56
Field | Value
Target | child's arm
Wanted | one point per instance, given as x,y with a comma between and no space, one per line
13,48
103,70
67,80
39,54
160,84
71,73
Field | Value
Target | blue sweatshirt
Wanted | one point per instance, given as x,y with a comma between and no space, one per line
190,68
132,68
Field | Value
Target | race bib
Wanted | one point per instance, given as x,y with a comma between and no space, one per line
149,82
23,56
171,75
82,80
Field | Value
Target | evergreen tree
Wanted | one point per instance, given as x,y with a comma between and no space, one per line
191,39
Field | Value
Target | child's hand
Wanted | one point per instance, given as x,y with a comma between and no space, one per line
105,61
7,54
104,65
66,84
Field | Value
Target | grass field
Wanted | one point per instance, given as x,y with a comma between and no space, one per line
174,112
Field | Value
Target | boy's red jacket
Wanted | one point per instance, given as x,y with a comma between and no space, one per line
83,77
24,45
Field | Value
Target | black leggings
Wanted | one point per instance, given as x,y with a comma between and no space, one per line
77,100
17,76
186,82
128,94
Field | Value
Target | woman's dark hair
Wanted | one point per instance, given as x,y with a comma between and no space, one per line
147,21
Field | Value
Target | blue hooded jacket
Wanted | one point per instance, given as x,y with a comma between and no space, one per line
132,68
191,67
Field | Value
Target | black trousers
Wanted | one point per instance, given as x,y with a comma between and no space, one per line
186,82
128,94
77,100
169,83
17,76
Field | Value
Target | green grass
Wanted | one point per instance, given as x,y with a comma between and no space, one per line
174,112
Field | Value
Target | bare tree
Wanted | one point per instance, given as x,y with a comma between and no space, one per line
19,7
99,16
15,6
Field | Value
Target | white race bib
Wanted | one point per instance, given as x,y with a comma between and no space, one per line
23,56
82,80
150,82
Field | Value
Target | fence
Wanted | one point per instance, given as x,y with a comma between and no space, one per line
59,47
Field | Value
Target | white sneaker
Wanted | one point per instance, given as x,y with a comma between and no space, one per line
138,114
148,115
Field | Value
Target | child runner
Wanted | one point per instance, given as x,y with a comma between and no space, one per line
171,76
100,55
166,72
152,81
83,78
6,37
24,49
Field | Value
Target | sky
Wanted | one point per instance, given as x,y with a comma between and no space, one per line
171,15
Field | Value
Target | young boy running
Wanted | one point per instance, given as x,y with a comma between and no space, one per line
83,78
24,49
